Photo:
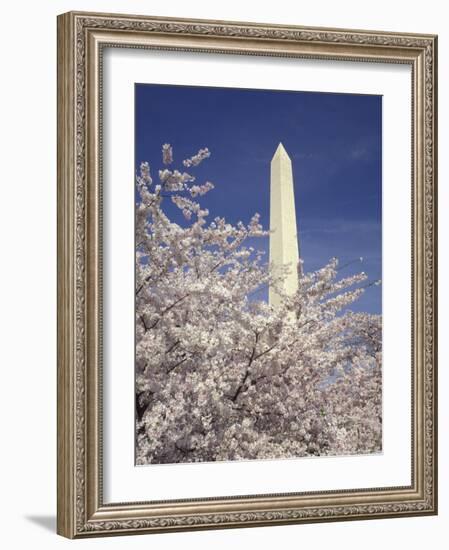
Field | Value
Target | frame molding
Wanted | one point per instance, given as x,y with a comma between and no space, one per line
81,37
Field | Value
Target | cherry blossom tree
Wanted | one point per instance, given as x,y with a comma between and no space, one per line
222,375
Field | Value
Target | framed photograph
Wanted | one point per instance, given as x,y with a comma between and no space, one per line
246,274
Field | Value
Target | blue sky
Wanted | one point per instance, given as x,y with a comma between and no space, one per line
334,141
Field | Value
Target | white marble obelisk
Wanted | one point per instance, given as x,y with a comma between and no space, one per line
284,238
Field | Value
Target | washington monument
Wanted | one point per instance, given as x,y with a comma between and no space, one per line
283,237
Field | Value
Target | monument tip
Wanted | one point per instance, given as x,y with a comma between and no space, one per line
280,150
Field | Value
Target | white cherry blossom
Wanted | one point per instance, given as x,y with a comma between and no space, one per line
222,375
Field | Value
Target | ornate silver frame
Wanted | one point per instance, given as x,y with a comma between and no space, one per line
81,38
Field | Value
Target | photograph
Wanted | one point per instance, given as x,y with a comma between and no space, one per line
246,273
225,329
258,274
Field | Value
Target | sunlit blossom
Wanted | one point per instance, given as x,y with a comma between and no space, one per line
220,374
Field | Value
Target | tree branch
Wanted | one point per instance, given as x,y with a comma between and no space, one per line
145,326
173,367
245,377
172,347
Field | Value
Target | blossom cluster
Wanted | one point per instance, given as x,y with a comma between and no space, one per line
198,158
222,375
